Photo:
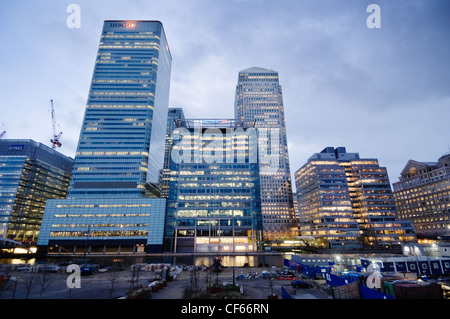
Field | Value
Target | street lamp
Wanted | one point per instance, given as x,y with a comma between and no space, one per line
87,238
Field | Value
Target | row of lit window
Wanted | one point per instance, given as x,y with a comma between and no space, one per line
184,173
112,153
134,35
119,46
124,63
101,205
96,225
206,213
218,204
430,219
214,197
181,185
126,233
119,106
433,226
112,126
101,215
209,178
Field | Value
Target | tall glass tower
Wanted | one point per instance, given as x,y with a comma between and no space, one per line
111,205
259,104
121,145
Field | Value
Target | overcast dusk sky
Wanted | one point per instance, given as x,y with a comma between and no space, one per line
382,92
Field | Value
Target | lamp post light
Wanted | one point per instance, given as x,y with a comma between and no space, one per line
87,238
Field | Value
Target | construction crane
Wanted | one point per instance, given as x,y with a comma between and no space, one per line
55,140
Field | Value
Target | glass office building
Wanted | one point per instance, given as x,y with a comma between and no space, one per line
120,151
259,104
422,195
103,225
214,198
122,140
30,174
346,202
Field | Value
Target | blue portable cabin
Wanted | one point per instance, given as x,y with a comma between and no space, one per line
388,266
401,266
424,267
436,268
413,266
321,271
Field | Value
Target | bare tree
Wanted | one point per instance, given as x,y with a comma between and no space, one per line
114,273
194,281
135,271
192,285
30,282
44,279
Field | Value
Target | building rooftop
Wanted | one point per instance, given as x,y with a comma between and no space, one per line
33,149
338,153
256,69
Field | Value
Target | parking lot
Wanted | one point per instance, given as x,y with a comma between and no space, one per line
116,284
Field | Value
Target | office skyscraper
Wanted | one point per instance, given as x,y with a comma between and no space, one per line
120,152
346,202
214,196
30,174
423,195
121,146
259,104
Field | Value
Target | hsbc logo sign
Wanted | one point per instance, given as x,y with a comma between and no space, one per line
122,24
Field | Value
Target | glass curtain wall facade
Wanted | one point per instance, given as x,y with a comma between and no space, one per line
175,115
104,225
120,152
30,174
324,205
122,140
422,195
214,200
259,104
347,202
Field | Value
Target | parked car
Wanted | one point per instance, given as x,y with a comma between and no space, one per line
301,284
287,273
47,268
287,277
86,271
23,268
